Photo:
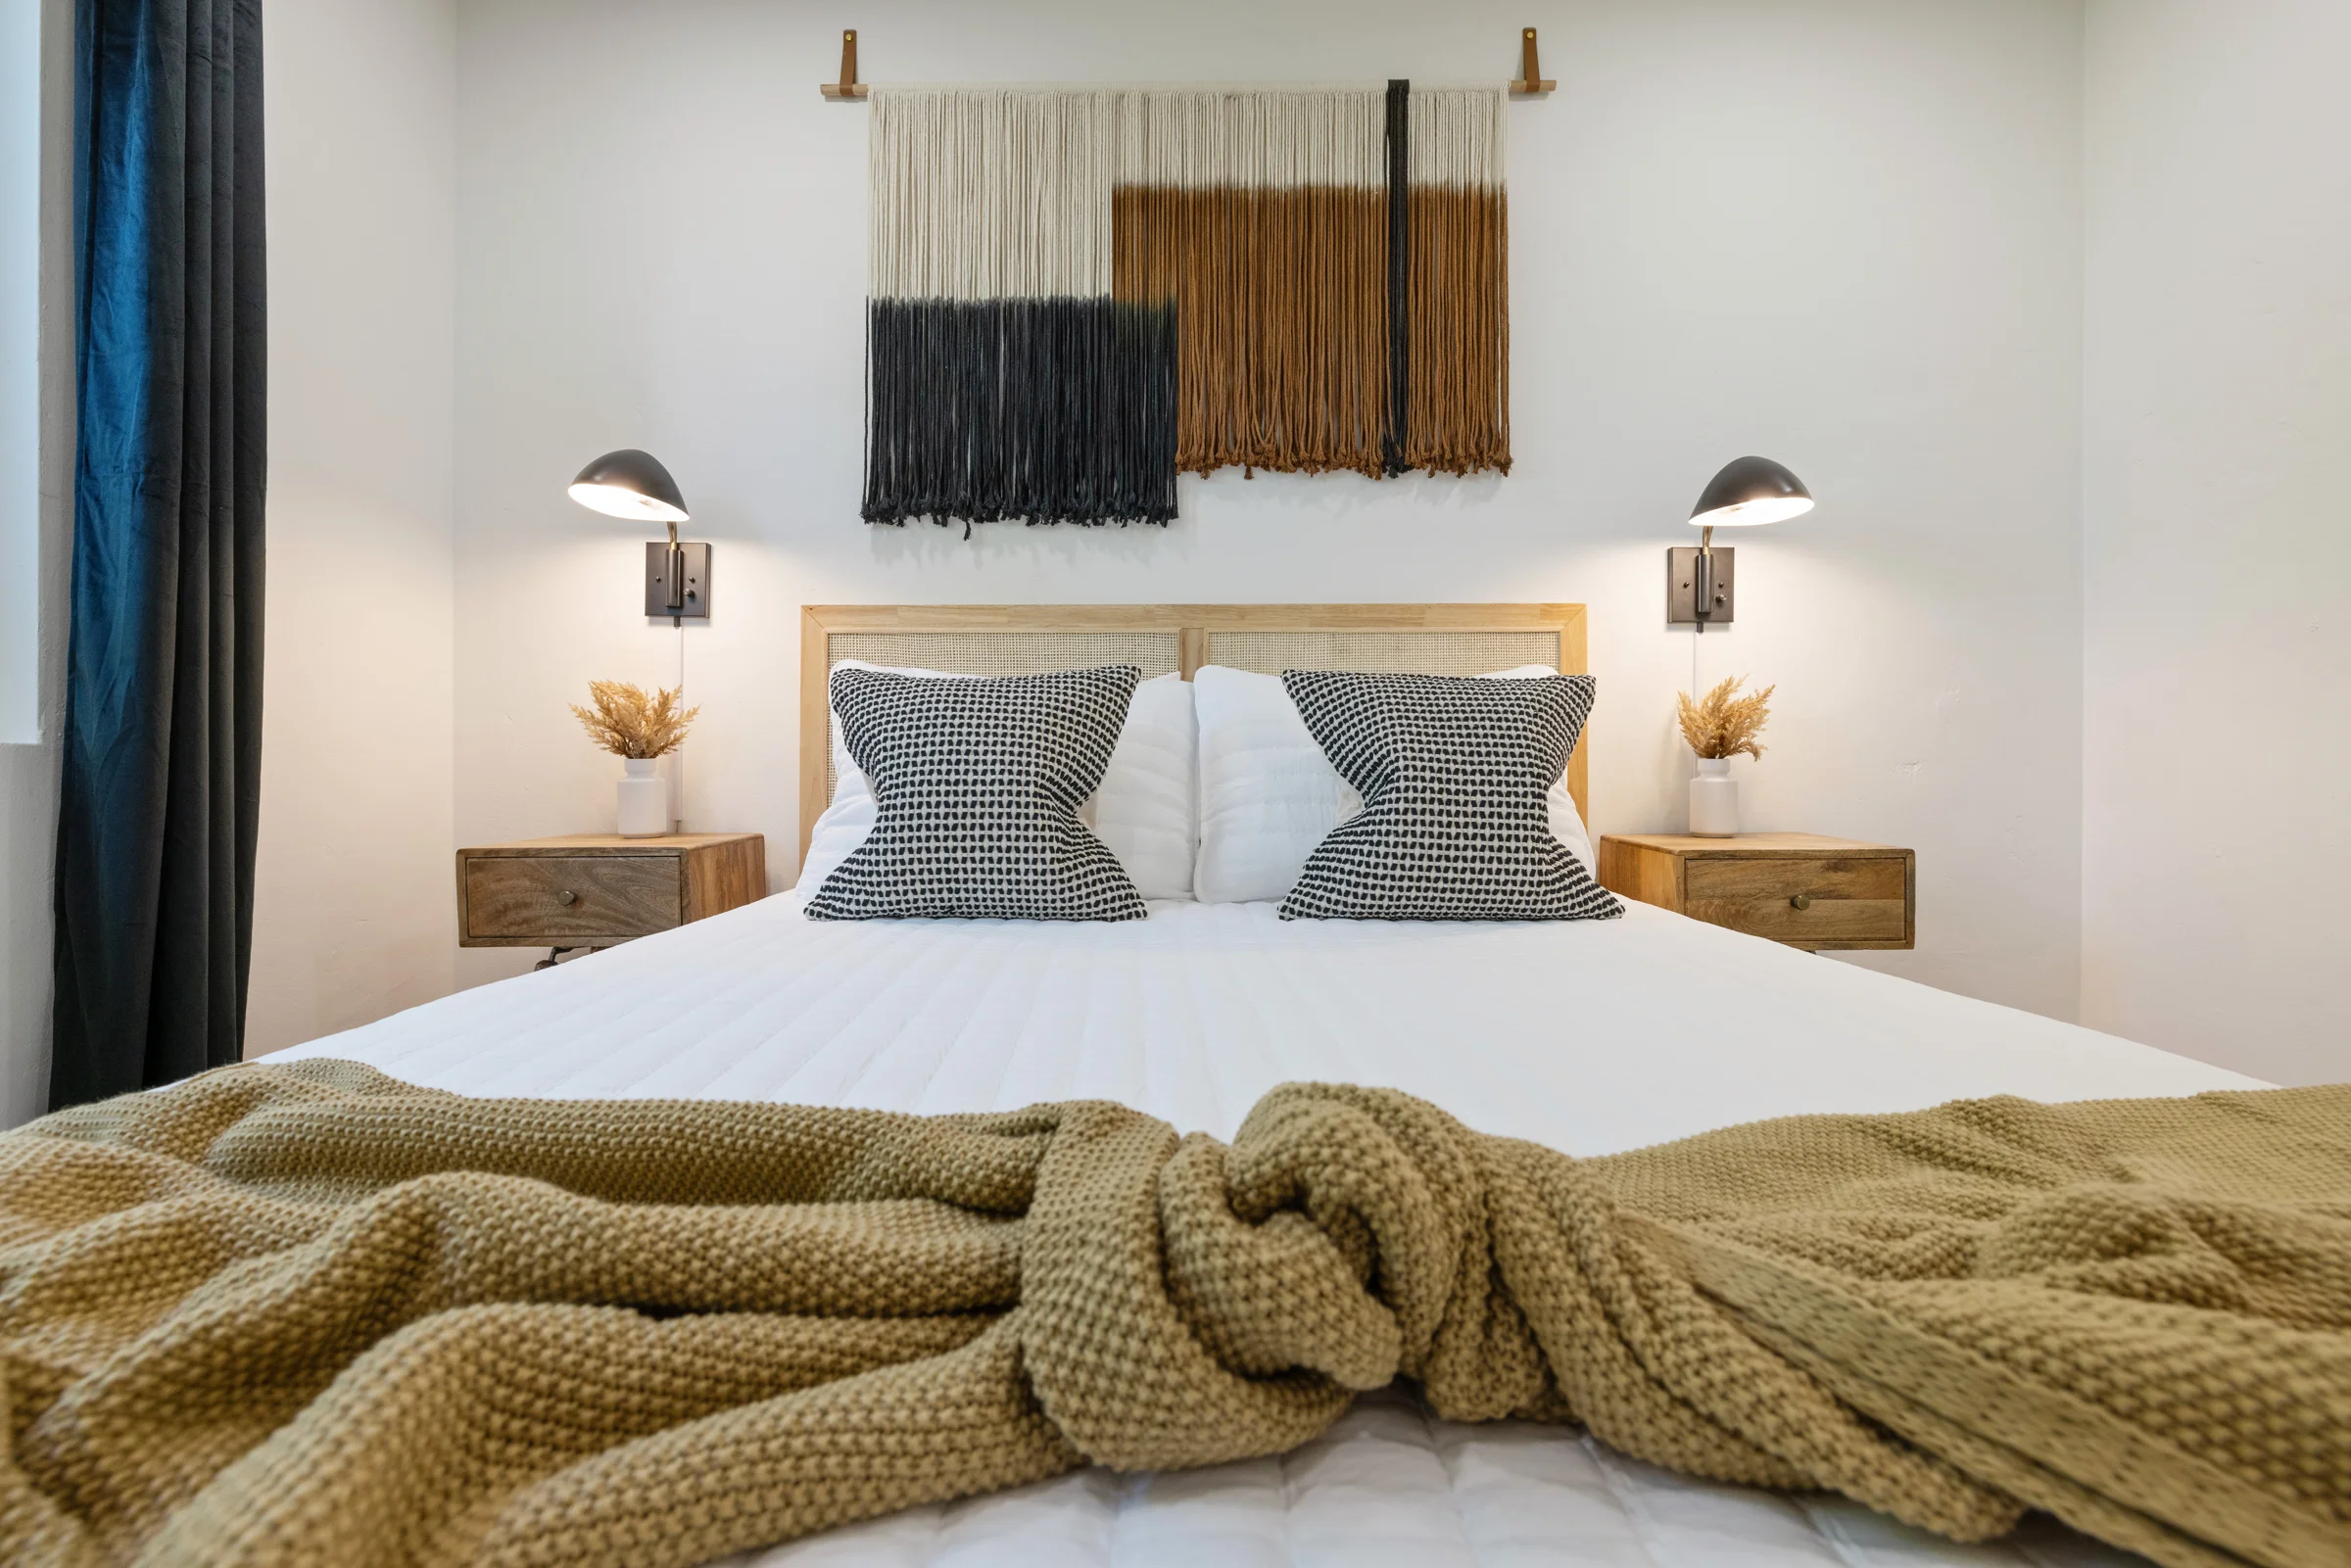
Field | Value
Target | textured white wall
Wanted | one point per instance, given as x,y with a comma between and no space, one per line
1846,235
29,769
352,915
2217,533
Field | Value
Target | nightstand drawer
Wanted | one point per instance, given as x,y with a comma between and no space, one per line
600,889
572,897
1809,892
1825,900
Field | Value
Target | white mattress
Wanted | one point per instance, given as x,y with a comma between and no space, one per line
1590,1037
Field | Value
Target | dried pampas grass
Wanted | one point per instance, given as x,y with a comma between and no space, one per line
1725,724
629,724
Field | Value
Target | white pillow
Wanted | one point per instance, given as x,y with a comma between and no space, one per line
1142,811
1145,809
1268,795
839,832
1267,792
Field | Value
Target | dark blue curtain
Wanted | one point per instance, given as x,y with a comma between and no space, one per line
164,667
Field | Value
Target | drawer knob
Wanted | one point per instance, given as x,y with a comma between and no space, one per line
567,896
1800,901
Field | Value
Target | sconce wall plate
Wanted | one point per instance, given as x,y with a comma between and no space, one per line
1681,586
693,603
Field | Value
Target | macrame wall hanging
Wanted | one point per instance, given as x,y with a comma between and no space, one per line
1078,294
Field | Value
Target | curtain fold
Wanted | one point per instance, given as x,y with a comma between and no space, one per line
161,780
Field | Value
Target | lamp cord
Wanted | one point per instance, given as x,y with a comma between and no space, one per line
678,823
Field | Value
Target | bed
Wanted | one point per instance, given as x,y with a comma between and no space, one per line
1589,1036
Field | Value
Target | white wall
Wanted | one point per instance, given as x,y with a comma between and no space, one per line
2217,533
1839,232
353,914
21,622
29,769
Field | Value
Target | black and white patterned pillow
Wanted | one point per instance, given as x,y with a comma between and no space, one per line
1454,773
976,785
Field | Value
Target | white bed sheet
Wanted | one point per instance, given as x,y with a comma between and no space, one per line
1591,1038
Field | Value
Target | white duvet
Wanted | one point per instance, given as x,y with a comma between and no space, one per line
1590,1037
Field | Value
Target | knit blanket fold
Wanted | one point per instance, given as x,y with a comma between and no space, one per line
308,1313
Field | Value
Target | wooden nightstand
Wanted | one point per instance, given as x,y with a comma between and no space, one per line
1820,894
598,891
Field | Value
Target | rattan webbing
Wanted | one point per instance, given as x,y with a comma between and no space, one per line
1383,652
1001,653
1405,653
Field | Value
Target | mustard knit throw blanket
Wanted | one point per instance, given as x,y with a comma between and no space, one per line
310,1315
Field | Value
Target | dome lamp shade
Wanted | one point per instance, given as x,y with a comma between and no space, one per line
1749,491
628,483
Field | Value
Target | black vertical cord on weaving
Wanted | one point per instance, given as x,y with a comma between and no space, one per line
158,798
1400,274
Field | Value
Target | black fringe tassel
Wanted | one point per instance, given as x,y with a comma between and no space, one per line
1059,411
1400,278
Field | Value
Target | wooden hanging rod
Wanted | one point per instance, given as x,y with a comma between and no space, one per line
1530,82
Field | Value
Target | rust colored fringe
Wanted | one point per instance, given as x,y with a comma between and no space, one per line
1281,331
1458,419
1281,325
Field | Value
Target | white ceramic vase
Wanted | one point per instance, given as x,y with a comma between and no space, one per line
644,800
1713,799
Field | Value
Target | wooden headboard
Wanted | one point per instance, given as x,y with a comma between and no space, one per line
1031,638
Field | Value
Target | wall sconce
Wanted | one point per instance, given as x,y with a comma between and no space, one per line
1747,491
633,484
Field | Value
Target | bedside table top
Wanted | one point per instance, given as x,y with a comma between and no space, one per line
1760,845
605,844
